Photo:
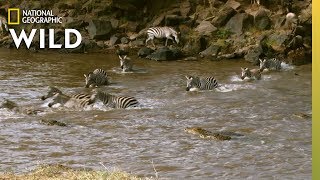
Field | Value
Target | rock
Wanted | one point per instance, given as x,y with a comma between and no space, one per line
185,8
7,104
262,20
130,26
145,51
212,50
163,54
276,40
205,28
136,43
52,122
73,23
240,22
295,43
124,40
114,40
233,4
253,54
114,23
99,29
223,16
191,58
305,16
172,20
299,57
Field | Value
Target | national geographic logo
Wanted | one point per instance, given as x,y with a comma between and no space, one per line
13,16
38,16
17,16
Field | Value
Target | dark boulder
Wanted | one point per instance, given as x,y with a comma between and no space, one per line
240,22
211,51
99,29
145,51
223,16
164,54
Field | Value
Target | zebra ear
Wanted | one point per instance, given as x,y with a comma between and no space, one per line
124,57
189,77
120,57
260,60
242,68
84,75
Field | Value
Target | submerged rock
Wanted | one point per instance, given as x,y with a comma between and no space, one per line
165,54
50,122
145,51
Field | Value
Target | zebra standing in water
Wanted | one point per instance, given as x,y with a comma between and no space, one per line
270,64
125,63
96,78
3,23
196,83
116,101
77,100
250,74
162,32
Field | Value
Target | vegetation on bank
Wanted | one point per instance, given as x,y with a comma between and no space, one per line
57,172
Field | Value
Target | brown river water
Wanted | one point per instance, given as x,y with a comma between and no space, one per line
276,143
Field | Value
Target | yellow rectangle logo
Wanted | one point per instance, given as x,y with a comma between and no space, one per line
15,21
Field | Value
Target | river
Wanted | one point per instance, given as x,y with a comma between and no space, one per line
151,139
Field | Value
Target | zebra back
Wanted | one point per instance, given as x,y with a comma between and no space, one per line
206,83
273,64
117,101
98,77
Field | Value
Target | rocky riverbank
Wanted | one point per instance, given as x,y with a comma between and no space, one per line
211,29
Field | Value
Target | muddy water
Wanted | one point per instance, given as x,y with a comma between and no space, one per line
276,144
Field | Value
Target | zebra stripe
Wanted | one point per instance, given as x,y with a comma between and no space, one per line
79,99
116,101
96,78
162,32
197,83
271,64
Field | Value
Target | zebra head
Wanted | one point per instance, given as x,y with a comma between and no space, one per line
90,79
192,82
245,73
59,98
263,64
52,92
175,35
122,61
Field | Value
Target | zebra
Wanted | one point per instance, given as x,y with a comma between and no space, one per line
116,101
269,64
250,74
255,2
96,78
162,32
3,23
198,83
75,100
125,63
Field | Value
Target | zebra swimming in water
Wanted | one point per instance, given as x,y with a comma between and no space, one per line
197,83
125,63
76,100
96,78
270,64
116,101
250,74
162,32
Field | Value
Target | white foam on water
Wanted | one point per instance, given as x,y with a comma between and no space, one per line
234,87
286,66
